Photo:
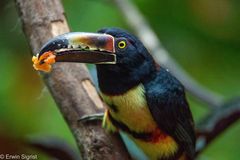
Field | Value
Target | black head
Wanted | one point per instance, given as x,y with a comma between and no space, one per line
134,63
122,60
129,49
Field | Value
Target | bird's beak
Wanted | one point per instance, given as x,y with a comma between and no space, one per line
77,47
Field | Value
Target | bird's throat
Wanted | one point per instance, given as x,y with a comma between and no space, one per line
117,79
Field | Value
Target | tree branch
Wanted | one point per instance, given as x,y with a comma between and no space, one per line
69,84
53,147
139,25
216,123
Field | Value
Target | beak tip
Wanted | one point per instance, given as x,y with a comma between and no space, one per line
56,43
44,62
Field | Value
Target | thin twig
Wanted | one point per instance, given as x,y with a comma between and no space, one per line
139,25
216,123
53,147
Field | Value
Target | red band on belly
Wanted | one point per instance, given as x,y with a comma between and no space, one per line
157,136
153,137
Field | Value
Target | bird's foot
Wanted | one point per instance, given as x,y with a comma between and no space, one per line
92,117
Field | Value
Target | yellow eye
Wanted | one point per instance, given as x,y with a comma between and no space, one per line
122,44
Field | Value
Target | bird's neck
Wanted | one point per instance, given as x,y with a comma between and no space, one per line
115,80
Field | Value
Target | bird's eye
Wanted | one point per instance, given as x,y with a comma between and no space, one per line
122,44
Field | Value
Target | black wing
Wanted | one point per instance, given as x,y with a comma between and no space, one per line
169,108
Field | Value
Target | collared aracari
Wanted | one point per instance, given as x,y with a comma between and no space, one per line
145,102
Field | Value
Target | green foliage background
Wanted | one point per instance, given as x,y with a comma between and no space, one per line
202,35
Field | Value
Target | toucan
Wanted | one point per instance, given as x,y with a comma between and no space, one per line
146,103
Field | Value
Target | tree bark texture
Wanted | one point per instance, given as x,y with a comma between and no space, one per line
69,83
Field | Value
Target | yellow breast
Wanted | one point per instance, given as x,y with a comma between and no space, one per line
132,109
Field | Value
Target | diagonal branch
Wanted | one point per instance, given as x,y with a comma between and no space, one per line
216,123
139,24
69,84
